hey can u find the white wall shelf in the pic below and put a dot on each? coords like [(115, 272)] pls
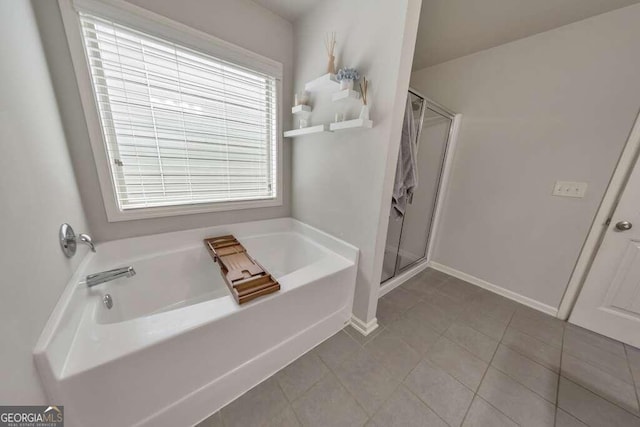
[(351, 124), (306, 131), (326, 82), (345, 94), (298, 109)]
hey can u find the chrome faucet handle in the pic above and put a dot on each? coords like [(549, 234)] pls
[(68, 240), (86, 239)]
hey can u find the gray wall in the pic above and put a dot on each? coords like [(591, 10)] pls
[(38, 192), (341, 180), (555, 106), (241, 22)]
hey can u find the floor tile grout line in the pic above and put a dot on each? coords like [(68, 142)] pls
[(289, 402), (506, 374), (426, 357), (599, 368), (555, 415), (559, 374), (295, 414), (419, 398), (401, 383), (637, 416), (582, 335), (471, 325), (422, 358), (526, 356), (596, 347), (592, 365), (314, 352), (465, 350), (606, 399), (458, 321), (347, 389), (539, 338), (633, 378), (475, 393), (596, 393), (489, 364), (329, 370), (532, 361)]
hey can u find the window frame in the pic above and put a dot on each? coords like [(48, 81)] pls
[(159, 26)]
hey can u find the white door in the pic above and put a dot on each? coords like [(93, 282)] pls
[(609, 302)]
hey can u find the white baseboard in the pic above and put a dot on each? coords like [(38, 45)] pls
[(537, 305), (362, 327), (394, 282)]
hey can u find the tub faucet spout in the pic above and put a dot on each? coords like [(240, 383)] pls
[(87, 240), (109, 275)]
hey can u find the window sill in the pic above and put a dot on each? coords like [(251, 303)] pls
[(116, 215)]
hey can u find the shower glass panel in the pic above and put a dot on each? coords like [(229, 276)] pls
[(416, 226), (408, 236), (394, 230)]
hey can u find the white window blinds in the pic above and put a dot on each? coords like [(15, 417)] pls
[(180, 127)]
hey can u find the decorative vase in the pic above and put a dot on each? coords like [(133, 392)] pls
[(331, 66), (346, 84), (364, 112)]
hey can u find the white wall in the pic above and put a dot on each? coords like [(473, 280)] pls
[(555, 106), (38, 192), (341, 180), (241, 22)]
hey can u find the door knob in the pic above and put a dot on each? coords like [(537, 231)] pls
[(623, 226)]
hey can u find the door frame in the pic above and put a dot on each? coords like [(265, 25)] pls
[(441, 195), (626, 162)]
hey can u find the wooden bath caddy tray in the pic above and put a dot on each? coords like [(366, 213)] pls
[(245, 278)]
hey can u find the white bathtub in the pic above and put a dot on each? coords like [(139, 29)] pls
[(176, 347)]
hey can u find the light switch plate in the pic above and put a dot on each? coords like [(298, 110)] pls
[(570, 189)]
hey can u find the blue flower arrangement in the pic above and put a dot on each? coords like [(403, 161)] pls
[(347, 74)]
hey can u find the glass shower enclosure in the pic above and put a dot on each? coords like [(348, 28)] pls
[(408, 235)]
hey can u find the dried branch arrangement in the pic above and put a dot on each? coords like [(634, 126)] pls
[(330, 43), (330, 46), (364, 85)]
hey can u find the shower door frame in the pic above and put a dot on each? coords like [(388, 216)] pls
[(389, 284)]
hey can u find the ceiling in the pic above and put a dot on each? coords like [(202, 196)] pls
[(450, 29), (288, 9)]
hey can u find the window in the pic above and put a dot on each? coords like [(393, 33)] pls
[(180, 128)]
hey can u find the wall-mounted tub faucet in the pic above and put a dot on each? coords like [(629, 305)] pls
[(69, 240), (109, 275), (86, 239)]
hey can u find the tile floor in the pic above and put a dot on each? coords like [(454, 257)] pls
[(450, 353)]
